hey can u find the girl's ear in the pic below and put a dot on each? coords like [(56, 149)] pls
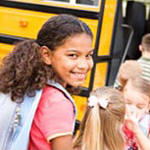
[(46, 54)]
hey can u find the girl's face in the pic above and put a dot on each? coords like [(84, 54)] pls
[(72, 60), (136, 101)]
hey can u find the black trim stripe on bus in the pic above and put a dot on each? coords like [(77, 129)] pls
[(84, 92), (113, 41), (95, 55), (49, 9), (10, 39)]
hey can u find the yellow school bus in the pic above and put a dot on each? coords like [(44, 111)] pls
[(117, 25)]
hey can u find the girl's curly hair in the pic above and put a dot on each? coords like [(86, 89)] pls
[(23, 71)]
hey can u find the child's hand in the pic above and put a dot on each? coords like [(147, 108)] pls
[(131, 119)]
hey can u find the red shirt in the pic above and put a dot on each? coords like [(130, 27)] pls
[(130, 139), (54, 117)]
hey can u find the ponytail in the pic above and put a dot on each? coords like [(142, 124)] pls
[(91, 136), (90, 130), (100, 128)]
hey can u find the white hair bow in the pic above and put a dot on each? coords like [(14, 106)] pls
[(93, 101)]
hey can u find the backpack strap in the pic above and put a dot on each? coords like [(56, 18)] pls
[(28, 109), (7, 114)]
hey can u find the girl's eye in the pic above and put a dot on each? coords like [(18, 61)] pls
[(72, 55), (140, 107), (89, 55), (128, 103)]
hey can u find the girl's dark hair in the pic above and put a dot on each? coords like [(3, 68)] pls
[(23, 71), (57, 29)]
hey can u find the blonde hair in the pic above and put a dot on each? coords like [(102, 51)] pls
[(140, 84), (127, 70), (101, 128)]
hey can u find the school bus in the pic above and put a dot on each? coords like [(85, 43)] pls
[(117, 25)]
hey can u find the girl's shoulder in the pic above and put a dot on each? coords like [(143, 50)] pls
[(51, 100), (52, 94), (55, 93)]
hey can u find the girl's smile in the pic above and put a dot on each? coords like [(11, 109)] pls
[(79, 76)]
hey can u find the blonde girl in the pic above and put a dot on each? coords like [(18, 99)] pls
[(101, 127), (137, 121)]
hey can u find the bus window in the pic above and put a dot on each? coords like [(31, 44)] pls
[(84, 2)]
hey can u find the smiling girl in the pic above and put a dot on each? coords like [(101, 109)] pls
[(37, 76)]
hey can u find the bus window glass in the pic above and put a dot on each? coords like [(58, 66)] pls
[(83, 2), (88, 2)]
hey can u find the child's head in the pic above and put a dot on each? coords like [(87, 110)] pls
[(127, 70), (62, 52), (69, 41), (103, 119), (145, 44), (137, 95)]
